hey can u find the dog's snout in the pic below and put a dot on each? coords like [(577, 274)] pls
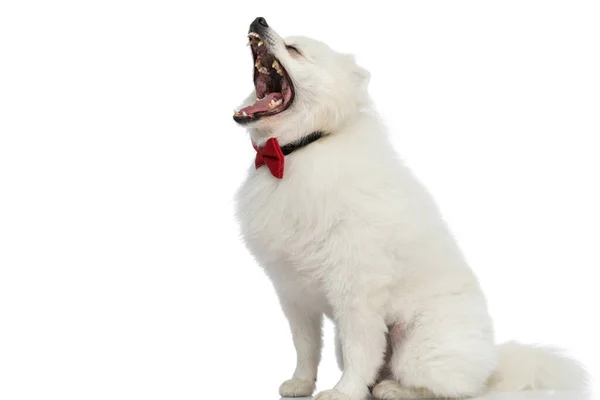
[(258, 24)]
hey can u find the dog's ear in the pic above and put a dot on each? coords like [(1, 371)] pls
[(361, 76)]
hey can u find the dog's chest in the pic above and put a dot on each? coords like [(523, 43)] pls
[(286, 225)]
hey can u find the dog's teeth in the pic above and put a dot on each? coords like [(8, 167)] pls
[(257, 63), (274, 103), (263, 70), (260, 43), (277, 67), (244, 113), (236, 112), (254, 34)]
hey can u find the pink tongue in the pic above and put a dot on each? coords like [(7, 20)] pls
[(261, 105)]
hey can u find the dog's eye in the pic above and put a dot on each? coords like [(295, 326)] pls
[(292, 48)]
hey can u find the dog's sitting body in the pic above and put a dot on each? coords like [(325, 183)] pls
[(349, 233)]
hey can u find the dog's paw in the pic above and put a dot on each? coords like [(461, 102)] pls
[(386, 390), (297, 388), (392, 390), (331, 395)]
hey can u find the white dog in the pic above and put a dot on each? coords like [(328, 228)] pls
[(343, 229)]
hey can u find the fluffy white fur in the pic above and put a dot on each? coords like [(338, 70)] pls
[(350, 233)]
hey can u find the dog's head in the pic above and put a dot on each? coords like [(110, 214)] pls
[(301, 86)]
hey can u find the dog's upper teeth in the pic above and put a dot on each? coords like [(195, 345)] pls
[(263, 70), (257, 63), (236, 112), (277, 67), (254, 34), (260, 43)]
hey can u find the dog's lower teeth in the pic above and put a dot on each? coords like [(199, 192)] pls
[(274, 103), (244, 113), (263, 70)]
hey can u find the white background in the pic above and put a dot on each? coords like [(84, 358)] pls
[(122, 275)]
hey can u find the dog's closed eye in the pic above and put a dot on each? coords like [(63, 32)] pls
[(293, 49)]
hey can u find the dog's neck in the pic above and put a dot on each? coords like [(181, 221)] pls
[(302, 142), (259, 138)]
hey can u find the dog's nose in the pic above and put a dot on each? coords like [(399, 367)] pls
[(258, 25), (261, 21)]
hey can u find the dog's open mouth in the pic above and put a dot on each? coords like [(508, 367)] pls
[(274, 90)]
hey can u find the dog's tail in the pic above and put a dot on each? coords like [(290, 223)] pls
[(529, 367)]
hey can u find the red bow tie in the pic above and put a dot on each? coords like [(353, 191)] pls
[(271, 156)]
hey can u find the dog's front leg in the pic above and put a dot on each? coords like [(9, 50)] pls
[(362, 334), (363, 341), (305, 324)]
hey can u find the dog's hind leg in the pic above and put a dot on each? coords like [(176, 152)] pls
[(446, 352)]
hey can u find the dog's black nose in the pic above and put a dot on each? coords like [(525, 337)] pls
[(261, 21), (258, 25)]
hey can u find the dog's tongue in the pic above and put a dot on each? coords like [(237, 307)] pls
[(261, 105)]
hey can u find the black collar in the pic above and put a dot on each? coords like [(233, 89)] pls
[(302, 142)]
